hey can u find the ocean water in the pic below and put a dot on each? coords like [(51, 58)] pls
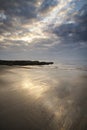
[(43, 97)]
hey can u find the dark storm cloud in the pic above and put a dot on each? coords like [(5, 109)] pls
[(46, 4), (17, 8), (82, 14), (14, 14), (75, 31)]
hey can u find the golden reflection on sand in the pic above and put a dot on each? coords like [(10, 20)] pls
[(38, 91), (35, 90), (42, 99)]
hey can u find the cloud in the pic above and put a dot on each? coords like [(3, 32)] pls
[(42, 25), (75, 30), (46, 4), (17, 9)]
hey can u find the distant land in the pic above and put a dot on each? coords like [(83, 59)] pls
[(23, 62)]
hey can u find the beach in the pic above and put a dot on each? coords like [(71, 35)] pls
[(43, 98)]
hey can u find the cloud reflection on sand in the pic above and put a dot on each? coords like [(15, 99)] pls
[(43, 99)]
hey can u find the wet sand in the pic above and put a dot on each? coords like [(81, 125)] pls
[(42, 98)]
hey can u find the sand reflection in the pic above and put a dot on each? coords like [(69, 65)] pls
[(43, 99)]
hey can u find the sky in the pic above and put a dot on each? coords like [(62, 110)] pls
[(52, 30)]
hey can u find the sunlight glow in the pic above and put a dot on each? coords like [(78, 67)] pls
[(34, 89)]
